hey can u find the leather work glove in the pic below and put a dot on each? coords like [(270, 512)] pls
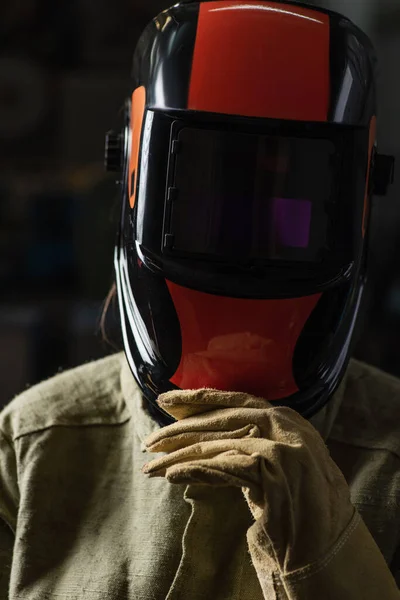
[(307, 540)]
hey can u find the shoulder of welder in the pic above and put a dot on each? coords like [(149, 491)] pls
[(86, 395), (370, 411)]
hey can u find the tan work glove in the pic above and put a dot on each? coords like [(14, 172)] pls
[(298, 497)]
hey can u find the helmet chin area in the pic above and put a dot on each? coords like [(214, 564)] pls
[(291, 352)]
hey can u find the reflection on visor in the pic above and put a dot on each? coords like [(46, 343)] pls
[(252, 196), (291, 222)]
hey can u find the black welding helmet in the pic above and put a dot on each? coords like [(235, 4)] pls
[(248, 162)]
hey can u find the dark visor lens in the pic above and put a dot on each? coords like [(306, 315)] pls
[(252, 196)]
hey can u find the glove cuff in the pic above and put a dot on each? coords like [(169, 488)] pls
[(353, 568)]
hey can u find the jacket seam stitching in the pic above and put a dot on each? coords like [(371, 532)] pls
[(314, 569), (68, 425)]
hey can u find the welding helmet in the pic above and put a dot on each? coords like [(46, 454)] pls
[(248, 160)]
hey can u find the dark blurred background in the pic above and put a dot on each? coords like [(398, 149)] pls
[(64, 75)]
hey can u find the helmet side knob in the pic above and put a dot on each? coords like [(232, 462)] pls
[(113, 151)]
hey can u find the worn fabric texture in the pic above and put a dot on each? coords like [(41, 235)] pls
[(80, 520)]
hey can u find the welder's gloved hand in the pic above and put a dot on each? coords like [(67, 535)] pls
[(306, 530)]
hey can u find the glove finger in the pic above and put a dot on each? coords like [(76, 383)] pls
[(225, 470), (185, 403), (202, 474), (276, 423), (160, 442), (240, 467), (253, 448), (191, 453), (227, 419), (187, 454)]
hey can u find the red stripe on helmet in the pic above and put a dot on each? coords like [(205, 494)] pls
[(261, 59), (256, 59)]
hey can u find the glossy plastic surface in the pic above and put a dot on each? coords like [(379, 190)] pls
[(315, 63), (258, 59), (258, 75), (368, 186), (137, 114), (241, 345), (162, 62), (352, 64)]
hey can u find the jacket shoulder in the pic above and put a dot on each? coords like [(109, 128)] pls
[(369, 415), (86, 395)]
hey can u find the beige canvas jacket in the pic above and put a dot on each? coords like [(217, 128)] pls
[(79, 520)]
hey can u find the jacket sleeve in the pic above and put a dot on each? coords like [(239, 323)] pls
[(353, 569), (9, 500)]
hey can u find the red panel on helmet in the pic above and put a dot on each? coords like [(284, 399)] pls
[(239, 345), (261, 59), (257, 59)]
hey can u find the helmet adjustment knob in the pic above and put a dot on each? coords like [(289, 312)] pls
[(113, 151)]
